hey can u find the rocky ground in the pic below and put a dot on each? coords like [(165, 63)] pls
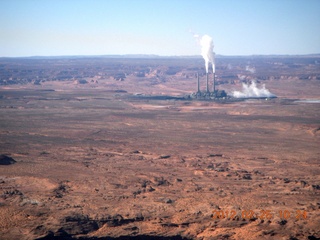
[(83, 162)]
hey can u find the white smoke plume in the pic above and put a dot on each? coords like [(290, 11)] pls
[(250, 69), (252, 91), (207, 53)]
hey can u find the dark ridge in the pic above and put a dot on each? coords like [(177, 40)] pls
[(5, 160), (45, 90)]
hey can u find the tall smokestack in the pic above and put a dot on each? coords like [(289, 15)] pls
[(214, 82), (198, 82), (207, 82)]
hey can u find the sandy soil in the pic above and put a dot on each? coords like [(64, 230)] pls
[(94, 163)]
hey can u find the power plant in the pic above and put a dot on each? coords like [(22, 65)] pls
[(249, 91), (214, 94), (208, 55)]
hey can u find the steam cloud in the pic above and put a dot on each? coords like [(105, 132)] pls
[(252, 91), (250, 69), (207, 53)]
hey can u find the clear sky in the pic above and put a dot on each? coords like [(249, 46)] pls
[(162, 27)]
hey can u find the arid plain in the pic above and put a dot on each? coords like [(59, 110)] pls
[(96, 159)]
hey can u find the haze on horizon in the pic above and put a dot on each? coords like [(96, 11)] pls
[(160, 27)]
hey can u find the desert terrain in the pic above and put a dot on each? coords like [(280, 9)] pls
[(84, 155)]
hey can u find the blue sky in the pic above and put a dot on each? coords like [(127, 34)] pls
[(162, 27)]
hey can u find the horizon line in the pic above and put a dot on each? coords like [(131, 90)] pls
[(159, 56)]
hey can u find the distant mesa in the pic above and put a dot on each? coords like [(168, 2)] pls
[(5, 160)]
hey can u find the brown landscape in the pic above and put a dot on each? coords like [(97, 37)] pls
[(111, 148)]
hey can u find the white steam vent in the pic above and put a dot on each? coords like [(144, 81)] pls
[(252, 91)]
